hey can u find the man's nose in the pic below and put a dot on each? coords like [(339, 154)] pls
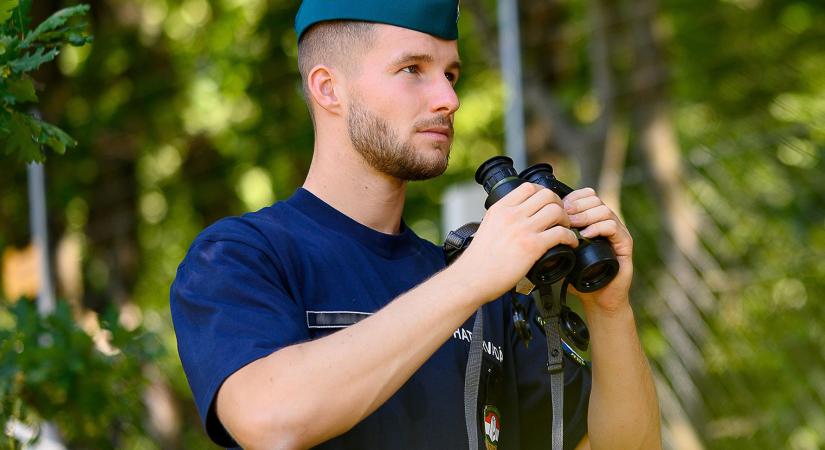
[(444, 99)]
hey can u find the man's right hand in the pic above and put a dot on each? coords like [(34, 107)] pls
[(515, 232)]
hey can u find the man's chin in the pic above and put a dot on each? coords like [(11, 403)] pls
[(432, 170)]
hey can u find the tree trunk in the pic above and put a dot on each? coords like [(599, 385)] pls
[(678, 283)]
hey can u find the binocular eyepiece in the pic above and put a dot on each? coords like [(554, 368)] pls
[(590, 266)]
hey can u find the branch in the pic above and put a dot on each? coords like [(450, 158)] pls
[(567, 136), (599, 52)]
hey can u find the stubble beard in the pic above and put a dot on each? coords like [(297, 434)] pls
[(382, 148)]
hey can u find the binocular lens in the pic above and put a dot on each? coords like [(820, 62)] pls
[(597, 274), (596, 265), (553, 266), (595, 271)]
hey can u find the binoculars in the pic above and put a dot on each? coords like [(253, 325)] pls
[(589, 267)]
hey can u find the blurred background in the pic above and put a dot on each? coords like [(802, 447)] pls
[(701, 121)]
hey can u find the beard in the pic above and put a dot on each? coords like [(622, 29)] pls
[(382, 148)]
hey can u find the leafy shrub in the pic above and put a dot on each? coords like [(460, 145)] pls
[(23, 51), (52, 370)]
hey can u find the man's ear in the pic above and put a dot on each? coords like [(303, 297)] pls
[(323, 89)]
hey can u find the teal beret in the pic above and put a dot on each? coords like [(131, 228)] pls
[(436, 17)]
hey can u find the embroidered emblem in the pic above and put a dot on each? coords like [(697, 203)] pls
[(492, 427)]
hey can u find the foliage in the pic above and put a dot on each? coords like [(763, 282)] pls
[(51, 369), (186, 111), (748, 90), (21, 133)]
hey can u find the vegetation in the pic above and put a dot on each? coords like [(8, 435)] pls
[(51, 369), (700, 120), (23, 51)]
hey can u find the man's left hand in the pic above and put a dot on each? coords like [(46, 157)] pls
[(593, 218)]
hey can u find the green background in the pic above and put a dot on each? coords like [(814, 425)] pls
[(703, 121)]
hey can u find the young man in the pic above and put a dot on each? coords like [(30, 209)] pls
[(325, 321)]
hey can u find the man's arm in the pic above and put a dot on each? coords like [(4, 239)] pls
[(307, 393), (623, 410)]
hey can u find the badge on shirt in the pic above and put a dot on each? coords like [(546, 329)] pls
[(492, 427)]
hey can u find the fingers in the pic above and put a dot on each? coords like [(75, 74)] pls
[(541, 198), (559, 235), (540, 206), (549, 215), (615, 232), (579, 194), (518, 195), (594, 218), (586, 208), (605, 228), (590, 216), (582, 204)]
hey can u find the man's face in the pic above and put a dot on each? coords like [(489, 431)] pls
[(402, 102)]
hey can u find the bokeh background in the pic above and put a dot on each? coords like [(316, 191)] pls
[(702, 121)]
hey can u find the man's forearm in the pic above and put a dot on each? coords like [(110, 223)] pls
[(624, 410), (307, 393)]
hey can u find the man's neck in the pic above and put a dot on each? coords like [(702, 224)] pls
[(344, 181)]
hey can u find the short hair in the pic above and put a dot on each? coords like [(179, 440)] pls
[(336, 43)]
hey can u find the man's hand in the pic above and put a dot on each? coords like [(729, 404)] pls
[(621, 376), (588, 213), (377, 355), (516, 231)]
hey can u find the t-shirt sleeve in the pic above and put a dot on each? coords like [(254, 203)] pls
[(535, 407), (230, 307)]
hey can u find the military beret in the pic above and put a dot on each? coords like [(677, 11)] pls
[(436, 17)]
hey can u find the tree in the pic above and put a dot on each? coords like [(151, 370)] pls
[(23, 51)]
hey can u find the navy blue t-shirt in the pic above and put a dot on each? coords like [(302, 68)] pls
[(300, 270)]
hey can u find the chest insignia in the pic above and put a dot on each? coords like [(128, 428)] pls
[(492, 427)]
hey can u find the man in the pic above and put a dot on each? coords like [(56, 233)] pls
[(324, 321)]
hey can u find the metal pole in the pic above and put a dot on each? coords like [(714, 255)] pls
[(40, 237), (510, 56), (49, 436)]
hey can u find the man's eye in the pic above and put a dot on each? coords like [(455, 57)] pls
[(410, 69), (451, 77)]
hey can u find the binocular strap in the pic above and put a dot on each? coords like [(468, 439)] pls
[(550, 311), (556, 369), (554, 366), (472, 378)]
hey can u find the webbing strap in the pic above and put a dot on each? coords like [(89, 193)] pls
[(458, 240), (472, 378), (556, 369), (454, 244), (550, 311)]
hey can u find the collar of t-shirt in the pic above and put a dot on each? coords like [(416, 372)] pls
[(392, 246)]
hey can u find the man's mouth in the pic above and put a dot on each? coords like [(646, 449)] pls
[(445, 132)]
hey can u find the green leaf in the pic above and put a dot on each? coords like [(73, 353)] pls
[(6, 8), (54, 22), (19, 91), (19, 141), (19, 21), (6, 42), (62, 33), (54, 137), (79, 40), (26, 134), (32, 61)]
